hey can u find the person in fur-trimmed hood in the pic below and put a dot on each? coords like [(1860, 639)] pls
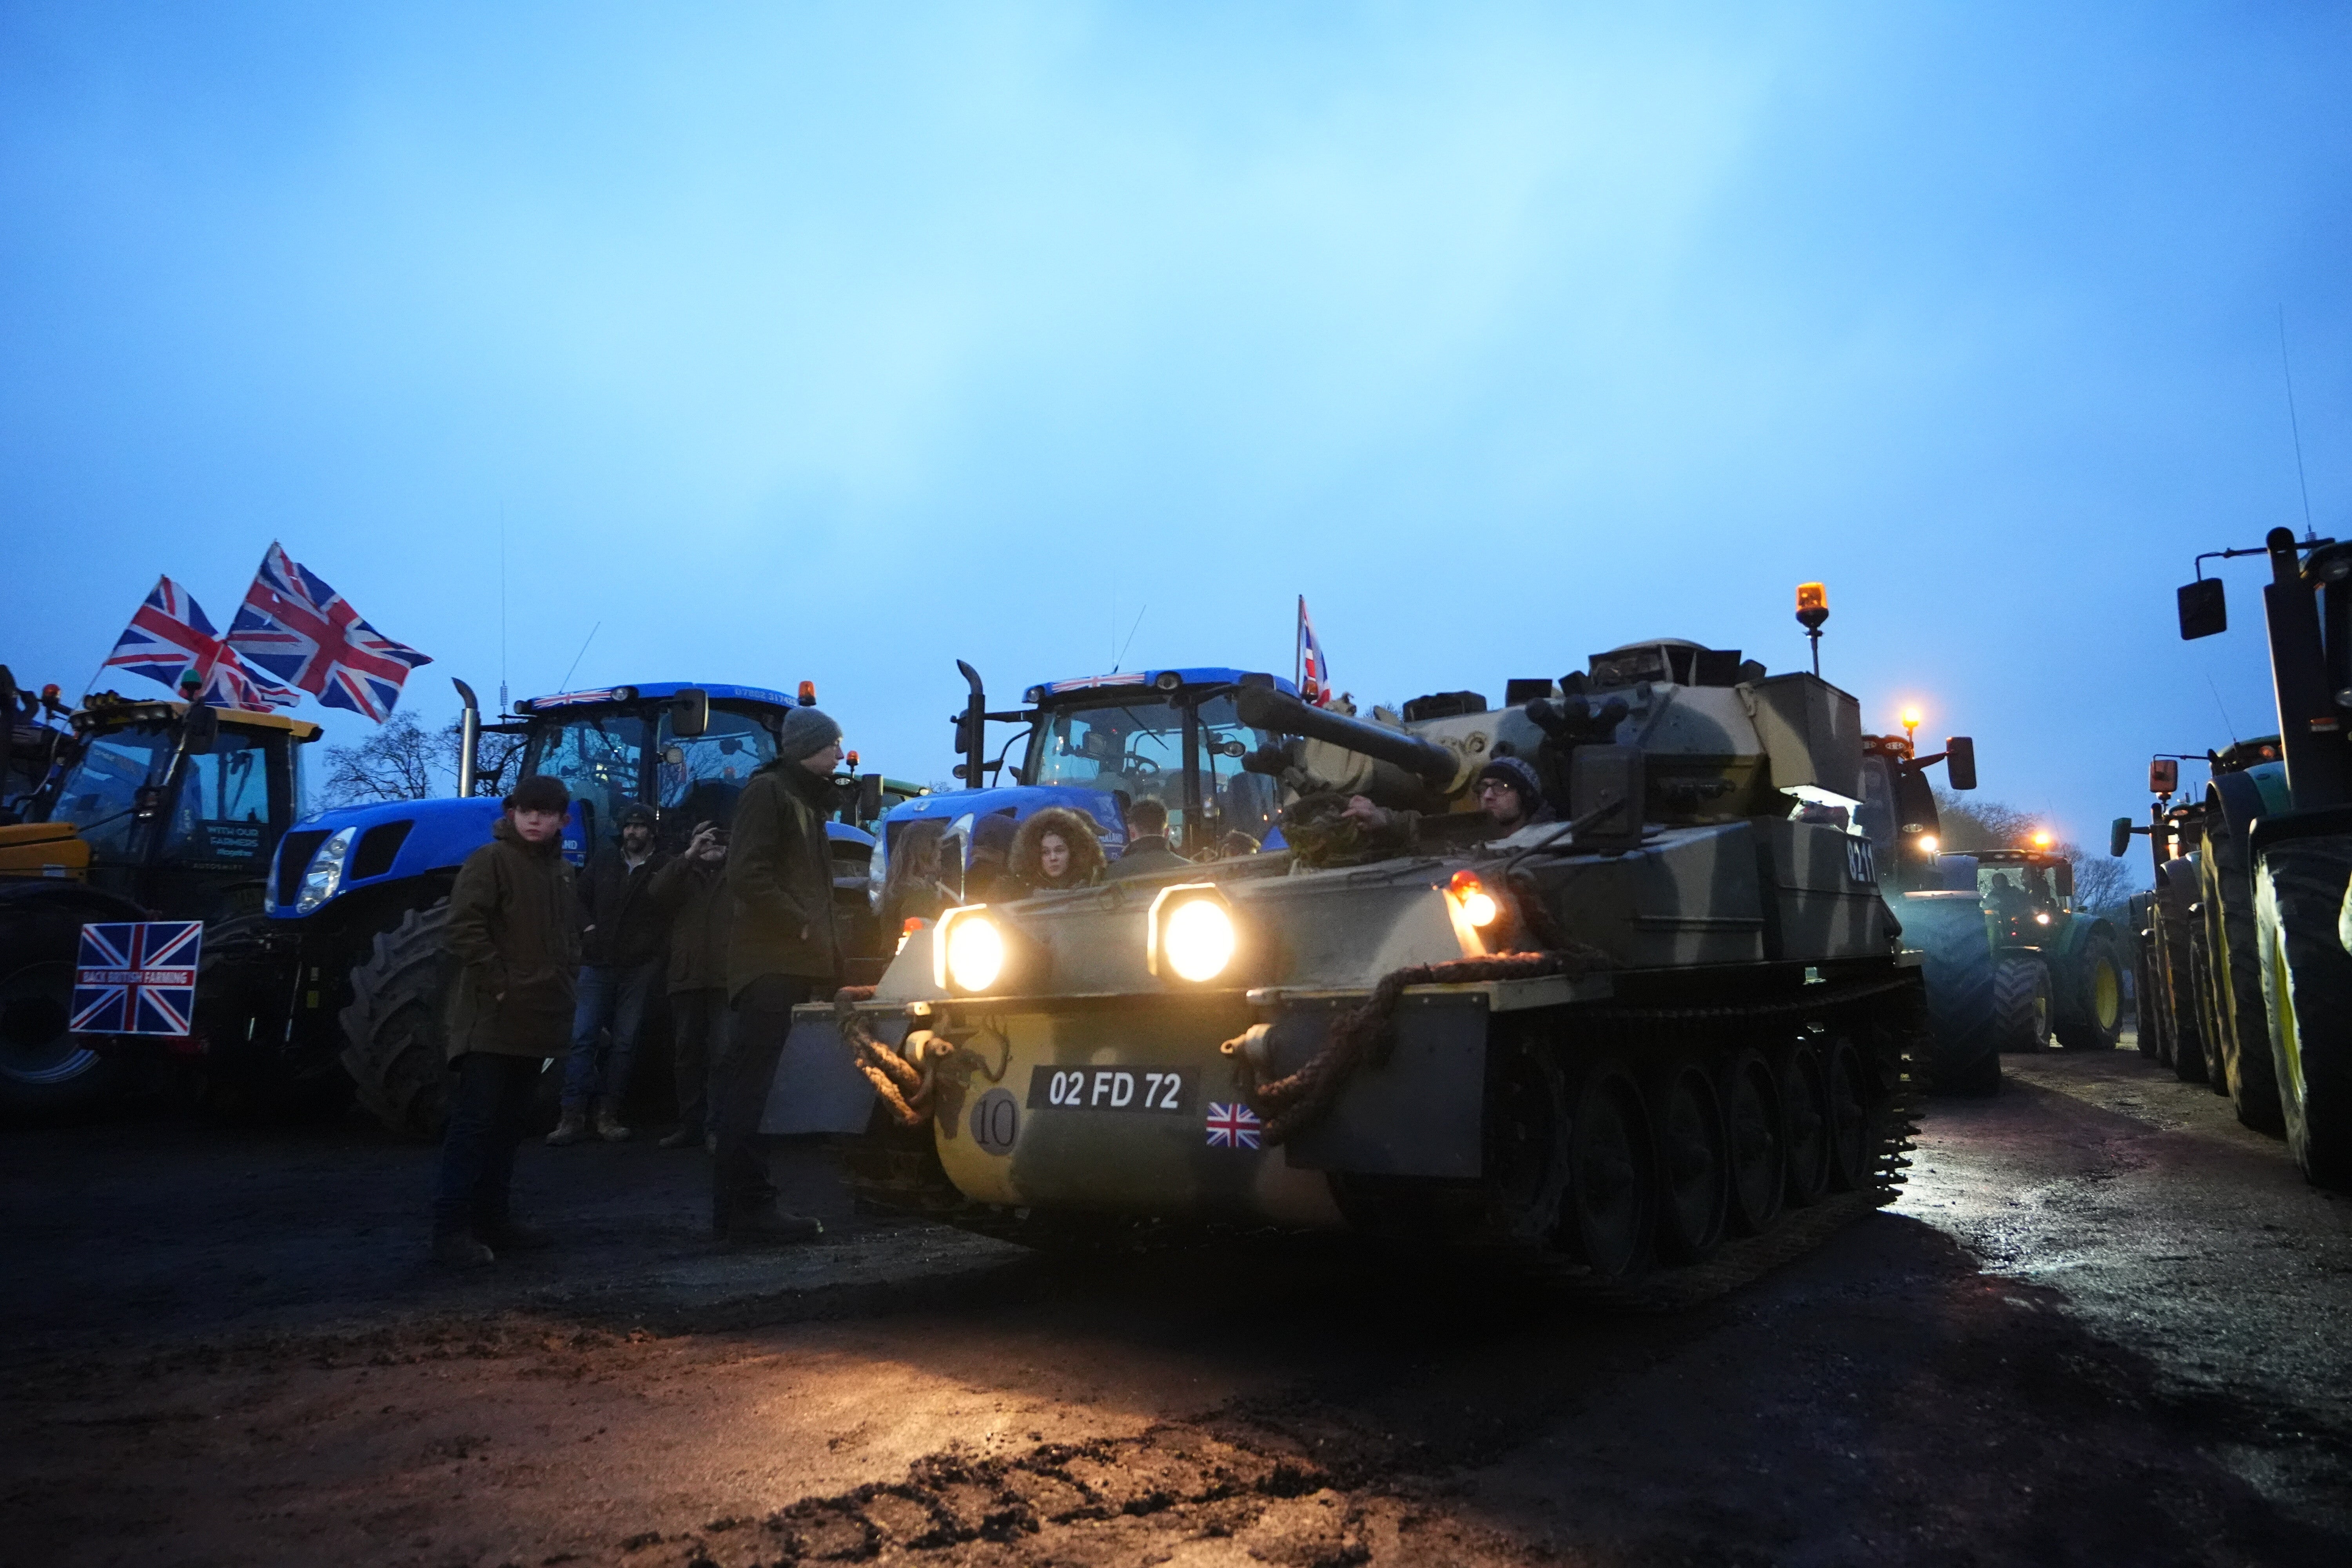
[(1057, 848)]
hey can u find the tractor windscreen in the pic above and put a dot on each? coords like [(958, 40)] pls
[(701, 775), (599, 753), (1138, 748), (223, 811), (103, 786), (2015, 889)]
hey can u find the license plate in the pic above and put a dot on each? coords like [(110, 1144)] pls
[(1160, 1090)]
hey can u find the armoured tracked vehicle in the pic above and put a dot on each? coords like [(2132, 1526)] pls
[(1598, 1041)]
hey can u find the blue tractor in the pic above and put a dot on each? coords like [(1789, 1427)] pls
[(357, 897), (1096, 744)]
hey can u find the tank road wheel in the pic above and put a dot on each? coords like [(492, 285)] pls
[(2234, 951), (1527, 1146), (1756, 1131), (1805, 1108), (2299, 896), (2021, 999), (1610, 1217), (394, 1045), (1694, 1164), (44, 1070), (1855, 1116), (2091, 1012)]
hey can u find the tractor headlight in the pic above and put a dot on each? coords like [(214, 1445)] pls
[(325, 876), (1189, 934), (969, 950), (2041, 920)]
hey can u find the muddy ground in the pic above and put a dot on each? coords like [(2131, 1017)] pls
[(2105, 1325)]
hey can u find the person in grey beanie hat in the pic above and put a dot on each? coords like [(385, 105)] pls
[(781, 952), (1512, 792), (806, 732)]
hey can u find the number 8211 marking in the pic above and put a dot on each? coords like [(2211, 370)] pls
[(1109, 1089)]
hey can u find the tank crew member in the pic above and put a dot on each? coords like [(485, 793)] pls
[(1055, 848), (621, 948), (1513, 796), (689, 891), (513, 932), (1147, 844), (781, 952), (989, 879)]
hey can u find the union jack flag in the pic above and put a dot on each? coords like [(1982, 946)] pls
[(170, 635), (137, 977), (1231, 1126), (1314, 675), (303, 632)]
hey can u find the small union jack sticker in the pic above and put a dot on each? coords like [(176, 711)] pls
[(1231, 1126), (137, 977)]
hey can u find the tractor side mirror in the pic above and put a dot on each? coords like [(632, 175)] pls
[(869, 797), (1960, 760), (690, 713), (2061, 878), (2119, 836), (2163, 775), (201, 727), (2204, 609)]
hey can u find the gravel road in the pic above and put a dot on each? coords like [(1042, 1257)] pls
[(2105, 1325)]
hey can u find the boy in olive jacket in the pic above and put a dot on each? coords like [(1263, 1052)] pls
[(514, 937), (780, 953)]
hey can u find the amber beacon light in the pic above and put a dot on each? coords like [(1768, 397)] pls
[(1813, 609)]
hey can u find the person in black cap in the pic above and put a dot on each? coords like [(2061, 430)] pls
[(1513, 796), (624, 931), (781, 952)]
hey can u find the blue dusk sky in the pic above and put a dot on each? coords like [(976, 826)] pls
[(837, 343)]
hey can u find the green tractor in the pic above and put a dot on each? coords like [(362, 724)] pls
[(2060, 968)]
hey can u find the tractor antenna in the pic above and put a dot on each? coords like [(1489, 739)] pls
[(565, 684), (2296, 426), (2225, 712), (1120, 657), (502, 608)]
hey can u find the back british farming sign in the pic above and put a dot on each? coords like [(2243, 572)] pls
[(137, 977)]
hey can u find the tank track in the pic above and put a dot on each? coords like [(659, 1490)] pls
[(895, 1170)]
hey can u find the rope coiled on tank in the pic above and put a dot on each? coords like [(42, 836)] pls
[(1291, 1104), (905, 1090)]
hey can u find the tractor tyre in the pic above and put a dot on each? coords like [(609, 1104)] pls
[(2021, 1002), (1949, 930), (2211, 1007), (395, 1043), (2147, 1015), (2234, 951), (45, 1073), (2299, 897), (2090, 1002)]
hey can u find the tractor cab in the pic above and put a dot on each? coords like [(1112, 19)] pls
[(180, 814), (2025, 892), (1897, 812)]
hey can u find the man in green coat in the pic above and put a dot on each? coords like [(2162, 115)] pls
[(514, 935), (781, 952)]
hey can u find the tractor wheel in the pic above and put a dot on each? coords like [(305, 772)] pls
[(2091, 1007), (2299, 895), (2212, 1015), (395, 1044), (2021, 1002), (1949, 930), (2233, 950), (45, 1071)]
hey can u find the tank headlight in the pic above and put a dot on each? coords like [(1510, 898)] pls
[(1199, 939), (325, 876), (972, 951), (1478, 905)]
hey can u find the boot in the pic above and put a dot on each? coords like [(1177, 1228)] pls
[(684, 1138), (765, 1225), (571, 1127), (459, 1249), (608, 1125), (507, 1235)]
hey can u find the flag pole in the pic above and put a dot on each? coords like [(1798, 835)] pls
[(1298, 645)]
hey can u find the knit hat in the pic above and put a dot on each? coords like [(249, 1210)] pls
[(1519, 774), (806, 732), (636, 812), (540, 792)]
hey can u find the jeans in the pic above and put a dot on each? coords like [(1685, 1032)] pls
[(492, 1097), (699, 1032), (614, 996), (763, 1016)]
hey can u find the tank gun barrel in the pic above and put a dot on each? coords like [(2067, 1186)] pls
[(1264, 708)]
